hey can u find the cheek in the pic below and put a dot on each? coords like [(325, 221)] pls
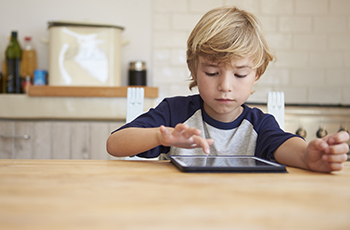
[(201, 82), (205, 86)]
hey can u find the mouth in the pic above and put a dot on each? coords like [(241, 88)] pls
[(224, 100)]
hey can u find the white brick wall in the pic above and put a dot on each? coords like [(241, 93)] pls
[(170, 6), (340, 7), (330, 24), (312, 7), (311, 39), (203, 6), (347, 61), (310, 42), (277, 7), (295, 24)]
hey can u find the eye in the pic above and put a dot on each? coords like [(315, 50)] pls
[(240, 76), (211, 74)]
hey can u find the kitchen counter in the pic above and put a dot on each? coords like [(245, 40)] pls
[(111, 194), (84, 103)]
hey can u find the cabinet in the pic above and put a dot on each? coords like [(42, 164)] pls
[(63, 122), (36, 139)]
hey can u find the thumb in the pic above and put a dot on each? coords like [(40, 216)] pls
[(163, 131)]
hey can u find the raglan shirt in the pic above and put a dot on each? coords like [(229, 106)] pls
[(253, 133)]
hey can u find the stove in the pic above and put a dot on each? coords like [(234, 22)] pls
[(314, 121)]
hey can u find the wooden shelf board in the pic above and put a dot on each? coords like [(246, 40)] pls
[(87, 91)]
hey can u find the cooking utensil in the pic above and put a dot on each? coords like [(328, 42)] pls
[(275, 106)]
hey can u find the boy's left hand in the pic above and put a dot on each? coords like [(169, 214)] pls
[(328, 153)]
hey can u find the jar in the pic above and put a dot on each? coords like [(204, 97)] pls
[(40, 77), (137, 73)]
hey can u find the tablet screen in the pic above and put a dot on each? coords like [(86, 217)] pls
[(225, 163)]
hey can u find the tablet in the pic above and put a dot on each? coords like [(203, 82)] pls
[(242, 164)]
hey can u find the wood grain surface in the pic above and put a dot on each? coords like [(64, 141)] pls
[(87, 91), (111, 194)]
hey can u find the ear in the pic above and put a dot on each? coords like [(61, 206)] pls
[(257, 77)]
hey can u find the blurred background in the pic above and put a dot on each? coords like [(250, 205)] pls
[(311, 39), (31, 17)]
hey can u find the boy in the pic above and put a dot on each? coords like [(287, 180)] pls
[(226, 54)]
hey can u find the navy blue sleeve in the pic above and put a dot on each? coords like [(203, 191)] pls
[(270, 137), (169, 113), (155, 117)]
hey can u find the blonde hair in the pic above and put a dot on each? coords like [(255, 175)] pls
[(224, 34)]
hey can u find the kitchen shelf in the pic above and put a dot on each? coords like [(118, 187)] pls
[(87, 91)]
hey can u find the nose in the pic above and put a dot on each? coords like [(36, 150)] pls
[(225, 84)]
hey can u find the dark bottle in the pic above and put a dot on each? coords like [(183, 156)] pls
[(1, 82), (13, 61)]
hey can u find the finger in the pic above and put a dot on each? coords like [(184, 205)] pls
[(337, 138), (179, 128), (191, 132), (336, 166), (210, 141), (338, 148), (201, 142), (164, 131), (332, 158), (319, 144)]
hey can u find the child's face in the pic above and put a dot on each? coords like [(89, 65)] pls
[(224, 87)]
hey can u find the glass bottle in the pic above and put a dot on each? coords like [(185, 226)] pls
[(29, 59), (13, 62)]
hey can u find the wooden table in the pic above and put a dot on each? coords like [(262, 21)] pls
[(97, 194)]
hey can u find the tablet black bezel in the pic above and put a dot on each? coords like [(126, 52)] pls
[(271, 168)]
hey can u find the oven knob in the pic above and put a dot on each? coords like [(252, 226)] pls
[(342, 128), (301, 132), (321, 132)]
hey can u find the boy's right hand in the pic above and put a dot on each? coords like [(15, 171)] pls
[(183, 136)]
